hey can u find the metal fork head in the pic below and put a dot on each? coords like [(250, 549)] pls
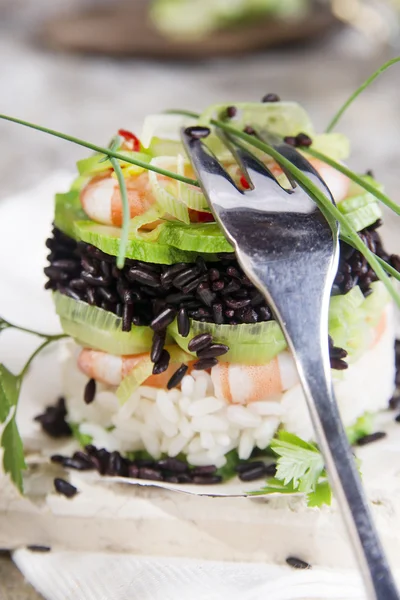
[(266, 219)]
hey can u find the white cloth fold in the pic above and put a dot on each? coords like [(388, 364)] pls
[(102, 576)]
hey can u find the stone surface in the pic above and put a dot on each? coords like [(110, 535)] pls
[(12, 584)]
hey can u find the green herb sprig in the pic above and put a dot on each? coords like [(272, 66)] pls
[(10, 387), (300, 469), (359, 90)]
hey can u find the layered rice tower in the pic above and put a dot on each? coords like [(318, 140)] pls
[(177, 353)]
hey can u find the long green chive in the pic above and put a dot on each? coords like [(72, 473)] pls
[(184, 113), (356, 178), (323, 202), (362, 87), (125, 212), (106, 151)]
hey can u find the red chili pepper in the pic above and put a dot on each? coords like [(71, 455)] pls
[(244, 183), (200, 217), (130, 137)]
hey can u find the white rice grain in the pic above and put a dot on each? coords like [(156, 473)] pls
[(207, 440), (166, 407), (176, 445), (243, 416), (209, 423), (246, 445), (205, 406), (187, 386)]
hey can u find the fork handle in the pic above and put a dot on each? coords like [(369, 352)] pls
[(313, 364)]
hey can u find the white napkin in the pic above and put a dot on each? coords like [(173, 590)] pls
[(90, 576)]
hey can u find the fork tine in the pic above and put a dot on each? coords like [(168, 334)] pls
[(208, 169), (298, 160), (257, 173)]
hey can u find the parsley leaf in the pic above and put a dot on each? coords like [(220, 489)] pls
[(299, 469), (9, 390), (299, 462), (10, 387), (13, 457), (321, 495)]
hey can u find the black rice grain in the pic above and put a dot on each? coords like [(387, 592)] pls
[(338, 364), (394, 402), (205, 470), (183, 323), (236, 304), (297, 563), (172, 464), (53, 420), (127, 315), (245, 466), (207, 479), (114, 466), (144, 277), (204, 364), (186, 276), (90, 391), (218, 314), (147, 473), (177, 377), (162, 364), (184, 478), (133, 471), (77, 464), (397, 419), (163, 319), (271, 98), (157, 346), (65, 488), (200, 342), (57, 459), (38, 548), (372, 437), (213, 351), (251, 474)]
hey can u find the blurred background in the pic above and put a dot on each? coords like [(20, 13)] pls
[(90, 67)]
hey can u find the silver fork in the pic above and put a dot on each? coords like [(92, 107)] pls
[(290, 251)]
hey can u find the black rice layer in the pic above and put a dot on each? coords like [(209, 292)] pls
[(153, 294)]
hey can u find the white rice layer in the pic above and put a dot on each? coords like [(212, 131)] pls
[(193, 421)]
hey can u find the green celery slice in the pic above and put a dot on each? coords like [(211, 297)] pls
[(100, 329), (107, 239)]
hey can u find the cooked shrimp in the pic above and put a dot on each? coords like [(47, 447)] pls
[(111, 370), (241, 384), (101, 198)]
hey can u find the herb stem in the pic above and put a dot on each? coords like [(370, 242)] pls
[(125, 213), (54, 337), (184, 113), (106, 151), (48, 341), (355, 94), (356, 178)]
